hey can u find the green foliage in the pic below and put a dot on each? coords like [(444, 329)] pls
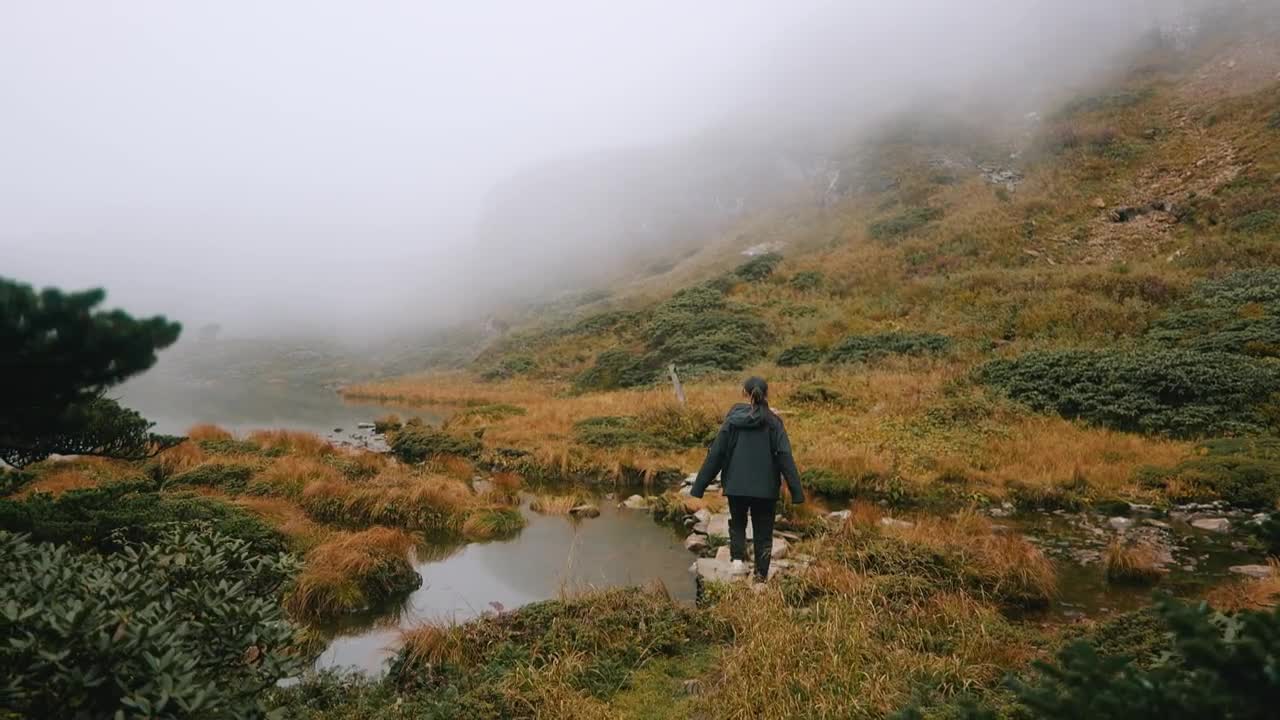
[(906, 223), (601, 322), (1219, 666), (1258, 221), (1242, 471), (188, 626), (510, 367), (866, 348), (807, 280), (231, 477), (1178, 393), (814, 394), (490, 412), (108, 517), (416, 443), (11, 481), (60, 356), (797, 355), (616, 368), (1238, 314), (697, 329), (758, 268)]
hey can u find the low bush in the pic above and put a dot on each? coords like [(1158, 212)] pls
[(668, 427), (1242, 471), (416, 443), (1239, 313), (510, 367), (798, 355), (866, 348), (186, 626), (480, 414), (1179, 393), (228, 477), (1258, 221), (616, 368), (1214, 665), (906, 223), (758, 268), (807, 280), (109, 517)]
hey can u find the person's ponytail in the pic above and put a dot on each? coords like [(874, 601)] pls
[(757, 391)]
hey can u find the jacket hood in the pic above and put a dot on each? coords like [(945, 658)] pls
[(740, 416)]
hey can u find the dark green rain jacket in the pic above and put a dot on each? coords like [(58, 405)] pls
[(752, 454)]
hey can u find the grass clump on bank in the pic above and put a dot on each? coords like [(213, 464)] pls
[(1131, 564), (415, 443), (352, 572), (1178, 393)]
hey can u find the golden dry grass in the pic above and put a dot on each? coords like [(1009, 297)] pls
[(180, 458), (291, 441), (331, 583), (1132, 563), (207, 431), (432, 645), (60, 480), (1248, 593), (289, 475), (395, 497), (554, 504), (288, 518)]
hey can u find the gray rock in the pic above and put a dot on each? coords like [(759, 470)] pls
[(695, 543), (1253, 571), (1219, 525), (686, 491), (636, 502), (586, 511), (700, 528), (890, 522), (839, 515), (365, 426), (719, 526), (780, 548), (703, 515), (689, 480), (788, 536), (1157, 523), (1120, 523)]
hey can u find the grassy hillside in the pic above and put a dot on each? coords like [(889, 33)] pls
[(1045, 305)]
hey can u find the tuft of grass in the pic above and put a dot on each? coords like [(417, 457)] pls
[(1132, 564), (555, 504), (387, 423), (289, 475), (492, 523), (206, 431), (291, 441), (180, 458), (229, 477), (353, 571)]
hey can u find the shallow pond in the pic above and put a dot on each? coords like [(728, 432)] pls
[(553, 555)]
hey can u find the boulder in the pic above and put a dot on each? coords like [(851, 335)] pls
[(1120, 523), (703, 515), (718, 525), (780, 548), (700, 528), (839, 515), (1253, 571), (695, 543), (586, 511), (1219, 525), (636, 502)]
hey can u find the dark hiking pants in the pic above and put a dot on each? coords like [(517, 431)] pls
[(761, 511)]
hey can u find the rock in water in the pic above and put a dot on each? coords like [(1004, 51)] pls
[(1253, 571), (1219, 525), (636, 502), (586, 511), (1120, 523), (695, 543)]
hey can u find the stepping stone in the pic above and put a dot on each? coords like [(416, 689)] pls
[(719, 526), (1254, 571), (1219, 525), (695, 543), (588, 511), (635, 502)]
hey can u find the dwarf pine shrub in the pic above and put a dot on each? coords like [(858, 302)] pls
[(187, 626), (1239, 313), (416, 443), (866, 348)]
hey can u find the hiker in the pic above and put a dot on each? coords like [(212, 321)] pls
[(750, 453)]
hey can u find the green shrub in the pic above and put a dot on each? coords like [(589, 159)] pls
[(699, 330), (231, 477), (416, 443), (616, 368), (908, 222), (1242, 471), (189, 626), (807, 280), (667, 428), (1258, 221), (1216, 666), (758, 268), (600, 322), (1171, 392), (107, 518), (510, 367), (800, 355), (1239, 314), (11, 481), (866, 348), (230, 447)]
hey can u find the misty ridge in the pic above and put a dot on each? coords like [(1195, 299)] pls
[(357, 175)]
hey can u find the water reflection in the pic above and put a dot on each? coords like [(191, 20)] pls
[(552, 556)]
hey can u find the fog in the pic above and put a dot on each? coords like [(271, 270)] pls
[(355, 169)]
